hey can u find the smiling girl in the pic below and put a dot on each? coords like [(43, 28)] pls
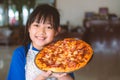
[(42, 26)]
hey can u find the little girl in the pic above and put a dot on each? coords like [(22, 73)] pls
[(42, 26)]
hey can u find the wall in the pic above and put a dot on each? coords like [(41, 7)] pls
[(73, 10)]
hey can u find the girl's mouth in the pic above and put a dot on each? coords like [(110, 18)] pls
[(40, 38)]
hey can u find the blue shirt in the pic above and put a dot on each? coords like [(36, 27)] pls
[(17, 66)]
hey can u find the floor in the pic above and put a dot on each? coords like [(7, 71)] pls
[(103, 66)]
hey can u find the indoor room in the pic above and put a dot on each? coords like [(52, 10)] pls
[(97, 22)]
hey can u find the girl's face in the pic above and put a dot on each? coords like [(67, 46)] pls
[(41, 33)]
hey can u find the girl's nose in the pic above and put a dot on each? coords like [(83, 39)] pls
[(41, 31)]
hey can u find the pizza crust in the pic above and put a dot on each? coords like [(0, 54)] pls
[(65, 55)]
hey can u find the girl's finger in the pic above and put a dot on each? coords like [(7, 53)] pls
[(59, 74), (49, 73)]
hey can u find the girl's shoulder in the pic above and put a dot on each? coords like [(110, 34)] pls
[(21, 50)]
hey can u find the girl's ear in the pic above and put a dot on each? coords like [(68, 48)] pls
[(29, 29), (58, 31)]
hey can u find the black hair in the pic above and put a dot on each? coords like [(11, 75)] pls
[(44, 12)]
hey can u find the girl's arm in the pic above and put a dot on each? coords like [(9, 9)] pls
[(17, 66)]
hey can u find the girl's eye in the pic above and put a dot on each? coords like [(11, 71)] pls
[(50, 27), (36, 25)]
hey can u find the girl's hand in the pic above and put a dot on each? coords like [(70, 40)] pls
[(58, 75), (62, 76), (44, 75)]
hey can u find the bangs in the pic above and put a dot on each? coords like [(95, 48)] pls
[(45, 18)]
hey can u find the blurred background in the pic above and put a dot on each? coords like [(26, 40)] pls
[(95, 21)]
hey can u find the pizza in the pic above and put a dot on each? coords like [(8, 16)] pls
[(65, 55)]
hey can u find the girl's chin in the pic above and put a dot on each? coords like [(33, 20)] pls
[(39, 47), (40, 44)]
